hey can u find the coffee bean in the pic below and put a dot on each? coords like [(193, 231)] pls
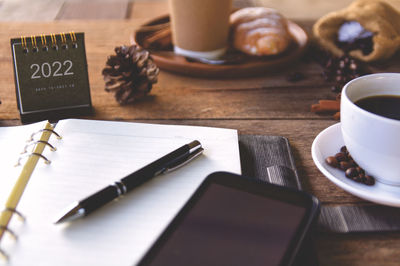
[(344, 165), (369, 180), (363, 178), (360, 170), (340, 156), (351, 172), (339, 70), (345, 162), (331, 160), (343, 149), (352, 163), (353, 66), (339, 78), (357, 179)]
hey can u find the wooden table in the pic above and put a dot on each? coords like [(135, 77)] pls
[(266, 105)]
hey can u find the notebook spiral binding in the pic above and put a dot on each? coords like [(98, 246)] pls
[(43, 130), (25, 153), (55, 40), (52, 148), (34, 143)]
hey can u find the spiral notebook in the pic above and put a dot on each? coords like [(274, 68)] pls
[(51, 76), (88, 156)]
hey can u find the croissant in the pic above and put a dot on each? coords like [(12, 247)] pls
[(376, 17), (259, 31)]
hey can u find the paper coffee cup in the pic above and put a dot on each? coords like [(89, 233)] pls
[(200, 28)]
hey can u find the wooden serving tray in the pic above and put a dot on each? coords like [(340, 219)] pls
[(248, 66)]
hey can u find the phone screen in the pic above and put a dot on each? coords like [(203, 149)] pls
[(227, 226)]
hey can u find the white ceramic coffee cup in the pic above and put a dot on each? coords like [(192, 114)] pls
[(372, 140)]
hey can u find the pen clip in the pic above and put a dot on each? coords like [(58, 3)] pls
[(194, 154)]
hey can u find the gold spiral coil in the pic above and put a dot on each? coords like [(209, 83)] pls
[(33, 41), (23, 42), (43, 39), (63, 37), (53, 39), (14, 211), (73, 36)]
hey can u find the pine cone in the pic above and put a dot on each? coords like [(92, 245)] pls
[(130, 73)]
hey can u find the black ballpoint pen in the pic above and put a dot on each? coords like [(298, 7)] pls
[(168, 163)]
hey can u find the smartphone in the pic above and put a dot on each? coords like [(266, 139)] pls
[(234, 220)]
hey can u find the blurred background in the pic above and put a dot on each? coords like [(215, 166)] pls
[(48, 10)]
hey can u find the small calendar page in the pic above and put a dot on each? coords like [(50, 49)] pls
[(51, 76)]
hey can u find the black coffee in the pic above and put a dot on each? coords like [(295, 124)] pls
[(384, 105)]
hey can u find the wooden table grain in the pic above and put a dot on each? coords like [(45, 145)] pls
[(268, 105)]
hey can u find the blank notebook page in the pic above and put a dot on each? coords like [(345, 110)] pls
[(94, 154)]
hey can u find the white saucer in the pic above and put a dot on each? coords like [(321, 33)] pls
[(328, 143)]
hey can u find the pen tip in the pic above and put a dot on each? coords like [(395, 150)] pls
[(72, 213)]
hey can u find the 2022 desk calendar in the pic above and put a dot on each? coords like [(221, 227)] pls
[(51, 77)]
